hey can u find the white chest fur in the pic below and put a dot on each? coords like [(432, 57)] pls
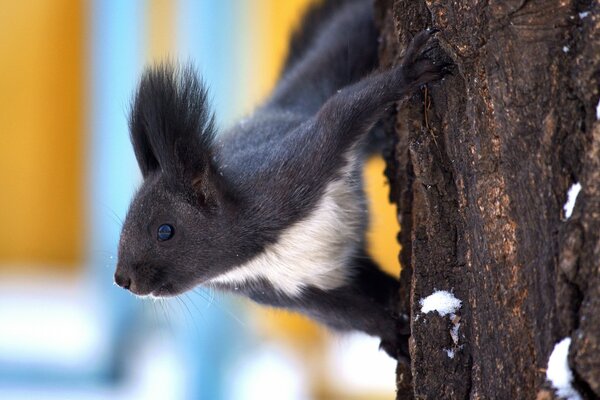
[(314, 251)]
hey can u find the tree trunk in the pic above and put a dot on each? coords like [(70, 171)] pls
[(480, 169)]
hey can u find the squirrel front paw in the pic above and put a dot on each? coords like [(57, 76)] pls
[(415, 69)]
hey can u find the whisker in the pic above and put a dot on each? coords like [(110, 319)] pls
[(223, 309), (114, 216), (196, 327), (166, 314), (196, 307)]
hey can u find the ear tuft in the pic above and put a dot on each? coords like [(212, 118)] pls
[(171, 126)]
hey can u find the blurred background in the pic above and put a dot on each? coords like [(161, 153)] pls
[(67, 174)]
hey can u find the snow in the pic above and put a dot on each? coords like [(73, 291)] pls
[(584, 14), (565, 49), (445, 304), (441, 301), (571, 197), (559, 373)]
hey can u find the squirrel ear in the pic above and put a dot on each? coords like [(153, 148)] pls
[(211, 190), (142, 148), (206, 188), (172, 128)]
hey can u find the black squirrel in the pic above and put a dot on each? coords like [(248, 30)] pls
[(273, 208)]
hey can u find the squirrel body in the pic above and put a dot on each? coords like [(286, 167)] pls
[(274, 208)]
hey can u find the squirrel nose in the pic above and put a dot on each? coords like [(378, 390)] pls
[(122, 280)]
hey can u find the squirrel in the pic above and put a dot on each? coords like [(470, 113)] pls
[(272, 209)]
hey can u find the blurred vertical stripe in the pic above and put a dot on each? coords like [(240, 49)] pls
[(264, 49), (161, 30), (208, 34), (116, 57), (42, 112)]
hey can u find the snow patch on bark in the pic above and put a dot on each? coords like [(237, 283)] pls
[(445, 304), (559, 373), (441, 301), (571, 197)]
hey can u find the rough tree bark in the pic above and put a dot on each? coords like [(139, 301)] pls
[(480, 169)]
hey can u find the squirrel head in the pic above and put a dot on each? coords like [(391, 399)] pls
[(177, 231)]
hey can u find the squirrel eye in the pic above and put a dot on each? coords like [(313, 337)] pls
[(165, 232)]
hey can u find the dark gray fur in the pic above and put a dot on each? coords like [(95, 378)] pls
[(229, 196)]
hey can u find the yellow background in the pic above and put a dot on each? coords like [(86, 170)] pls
[(42, 116)]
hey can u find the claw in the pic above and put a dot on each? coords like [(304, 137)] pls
[(416, 45), (419, 69)]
